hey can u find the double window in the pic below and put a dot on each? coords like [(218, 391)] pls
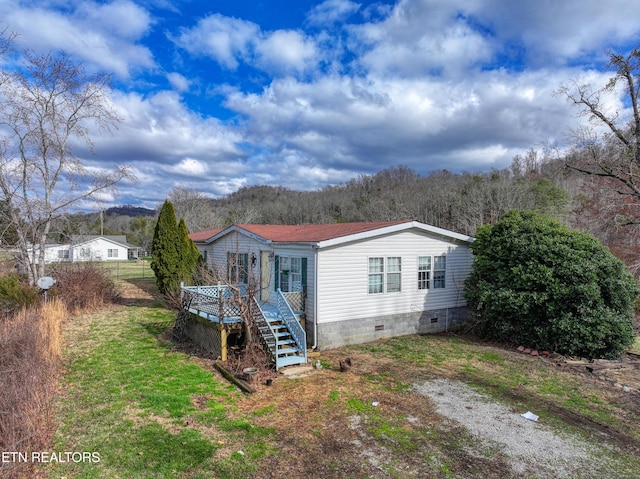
[(385, 274), (432, 272), (112, 253)]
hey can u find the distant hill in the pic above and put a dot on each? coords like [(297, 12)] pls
[(129, 210)]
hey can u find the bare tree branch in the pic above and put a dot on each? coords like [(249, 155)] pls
[(44, 109)]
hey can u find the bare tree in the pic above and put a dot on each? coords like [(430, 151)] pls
[(194, 207), (615, 154), (44, 108)]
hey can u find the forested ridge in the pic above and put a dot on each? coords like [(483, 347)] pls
[(459, 202)]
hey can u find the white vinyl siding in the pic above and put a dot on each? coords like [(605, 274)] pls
[(344, 280)]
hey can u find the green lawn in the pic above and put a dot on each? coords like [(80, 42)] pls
[(151, 411), (147, 410)]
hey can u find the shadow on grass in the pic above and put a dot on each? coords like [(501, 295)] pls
[(141, 292)]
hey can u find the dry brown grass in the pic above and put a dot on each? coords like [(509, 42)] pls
[(30, 351)]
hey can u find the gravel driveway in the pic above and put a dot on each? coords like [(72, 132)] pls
[(532, 448)]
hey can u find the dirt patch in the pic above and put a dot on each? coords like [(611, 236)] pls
[(377, 420), (532, 448), (138, 292), (336, 424)]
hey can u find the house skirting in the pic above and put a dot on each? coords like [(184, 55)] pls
[(364, 330), (209, 335)]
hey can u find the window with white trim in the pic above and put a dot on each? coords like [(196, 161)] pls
[(296, 274), (237, 267), (432, 272), (291, 274), (394, 274), (385, 275), (439, 271), (112, 253), (424, 272), (376, 275)]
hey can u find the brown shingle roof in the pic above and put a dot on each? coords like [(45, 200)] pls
[(313, 232), (204, 235)]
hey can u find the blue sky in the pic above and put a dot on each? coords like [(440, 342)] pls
[(218, 94)]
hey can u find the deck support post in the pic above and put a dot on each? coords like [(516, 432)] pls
[(223, 342)]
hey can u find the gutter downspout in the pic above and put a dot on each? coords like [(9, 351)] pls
[(315, 297)]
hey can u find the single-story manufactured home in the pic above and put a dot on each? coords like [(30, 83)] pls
[(357, 282), (85, 248)]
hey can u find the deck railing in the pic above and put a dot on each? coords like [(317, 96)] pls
[(291, 320), (220, 302)]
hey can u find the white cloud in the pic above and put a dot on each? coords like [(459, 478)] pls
[(285, 51), (178, 82), (556, 32), (422, 38), (104, 35), (190, 167), (224, 39), (332, 11), (353, 89)]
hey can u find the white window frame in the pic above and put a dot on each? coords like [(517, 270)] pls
[(291, 281), (376, 273), (432, 272), (112, 252), (440, 272), (384, 274), (394, 274), (424, 272)]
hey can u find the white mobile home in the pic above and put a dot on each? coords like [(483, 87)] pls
[(358, 281), (90, 248)]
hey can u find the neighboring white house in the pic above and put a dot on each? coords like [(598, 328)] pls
[(360, 281), (91, 248)]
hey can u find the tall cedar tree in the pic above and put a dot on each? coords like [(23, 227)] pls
[(166, 251), (190, 256), (538, 283)]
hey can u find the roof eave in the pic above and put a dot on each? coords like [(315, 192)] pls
[(393, 229)]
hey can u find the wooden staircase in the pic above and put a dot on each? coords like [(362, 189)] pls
[(281, 332)]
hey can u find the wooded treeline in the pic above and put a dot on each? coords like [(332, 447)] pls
[(456, 201)]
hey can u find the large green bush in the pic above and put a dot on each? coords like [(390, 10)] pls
[(541, 284)]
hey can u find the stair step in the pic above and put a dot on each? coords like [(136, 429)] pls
[(290, 360), (284, 351)]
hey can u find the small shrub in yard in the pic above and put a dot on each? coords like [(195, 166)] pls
[(85, 288), (30, 349), (15, 294)]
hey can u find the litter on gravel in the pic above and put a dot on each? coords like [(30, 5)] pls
[(529, 445)]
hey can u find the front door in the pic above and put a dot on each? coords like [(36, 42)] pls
[(265, 276)]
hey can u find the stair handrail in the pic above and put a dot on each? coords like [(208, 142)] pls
[(293, 325), (273, 334)]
